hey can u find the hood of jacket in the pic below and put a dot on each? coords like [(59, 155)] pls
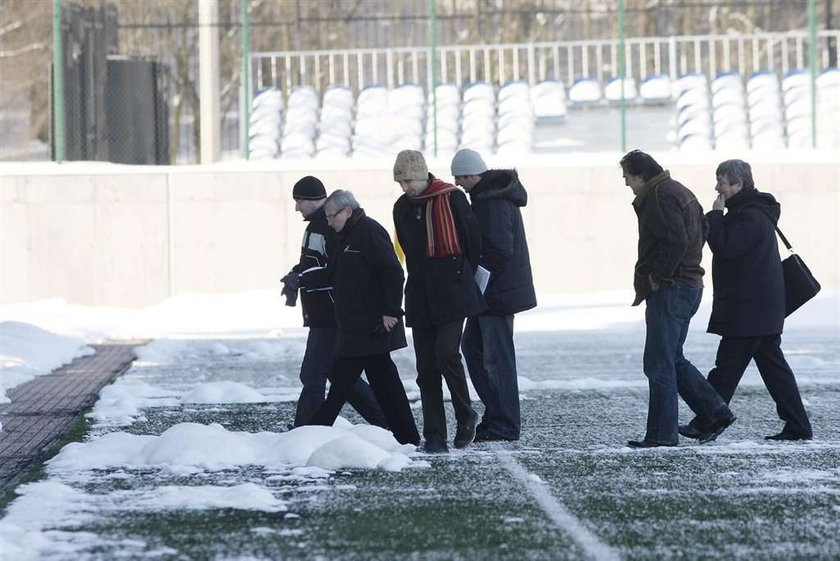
[(500, 184), (753, 198)]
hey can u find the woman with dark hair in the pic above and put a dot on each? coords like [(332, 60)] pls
[(748, 308)]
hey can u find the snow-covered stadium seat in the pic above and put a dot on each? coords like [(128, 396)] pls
[(585, 91), (655, 88), (443, 116), (549, 99), (515, 125), (265, 124), (478, 117), (690, 81), (612, 91)]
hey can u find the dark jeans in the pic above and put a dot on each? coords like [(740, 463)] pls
[(491, 361), (386, 385), (436, 352), (667, 316), (733, 357), (314, 372)]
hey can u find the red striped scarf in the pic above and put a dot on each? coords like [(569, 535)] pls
[(441, 233)]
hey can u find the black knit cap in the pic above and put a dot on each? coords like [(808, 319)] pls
[(309, 189)]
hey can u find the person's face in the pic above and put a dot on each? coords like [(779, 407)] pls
[(635, 182), (306, 208), (413, 187), (467, 181), (725, 188), (337, 217)]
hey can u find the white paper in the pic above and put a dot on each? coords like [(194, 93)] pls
[(482, 277)]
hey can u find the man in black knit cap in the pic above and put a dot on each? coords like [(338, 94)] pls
[(318, 310)]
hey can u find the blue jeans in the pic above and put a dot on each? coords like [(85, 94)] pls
[(488, 350), (316, 369), (667, 316)]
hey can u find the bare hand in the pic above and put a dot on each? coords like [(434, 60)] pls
[(389, 322), (720, 203)]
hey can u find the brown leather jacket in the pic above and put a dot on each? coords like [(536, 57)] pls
[(672, 230)]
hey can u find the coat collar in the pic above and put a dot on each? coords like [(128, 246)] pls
[(650, 185)]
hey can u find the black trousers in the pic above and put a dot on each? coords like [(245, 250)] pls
[(317, 368), (386, 385), (436, 350), (733, 357)]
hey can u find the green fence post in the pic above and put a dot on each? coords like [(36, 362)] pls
[(812, 63), (245, 113), (58, 85), (622, 71), (433, 41)]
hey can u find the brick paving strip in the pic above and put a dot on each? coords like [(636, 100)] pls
[(43, 409)]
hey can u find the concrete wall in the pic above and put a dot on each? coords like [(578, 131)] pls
[(133, 236)]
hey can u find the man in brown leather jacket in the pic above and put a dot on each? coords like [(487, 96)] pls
[(669, 278)]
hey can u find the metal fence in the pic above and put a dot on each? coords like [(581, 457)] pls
[(533, 62)]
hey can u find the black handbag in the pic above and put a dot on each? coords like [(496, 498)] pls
[(800, 284)]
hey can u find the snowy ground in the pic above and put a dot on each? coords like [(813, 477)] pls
[(187, 456)]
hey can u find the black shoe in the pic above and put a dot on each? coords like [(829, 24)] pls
[(645, 444), (689, 431), (488, 436), (465, 433), (435, 445), (715, 429), (787, 436)]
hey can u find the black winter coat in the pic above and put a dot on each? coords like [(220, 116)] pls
[(749, 290), (496, 202), (315, 290), (439, 289), (367, 284), (672, 229)]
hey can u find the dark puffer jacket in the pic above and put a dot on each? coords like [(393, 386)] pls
[(496, 202), (671, 233), (749, 290), (315, 291), (367, 284), (439, 289)]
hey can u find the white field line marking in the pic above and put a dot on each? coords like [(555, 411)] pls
[(559, 514)]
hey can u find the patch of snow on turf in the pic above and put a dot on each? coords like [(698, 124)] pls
[(190, 447)]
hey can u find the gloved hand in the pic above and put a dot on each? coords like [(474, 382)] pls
[(291, 281)]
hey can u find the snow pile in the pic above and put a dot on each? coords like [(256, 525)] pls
[(28, 531), (121, 402), (191, 447), (27, 351)]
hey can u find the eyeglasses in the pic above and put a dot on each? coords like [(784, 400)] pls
[(332, 216)]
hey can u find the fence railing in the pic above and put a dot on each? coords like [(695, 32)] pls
[(533, 62)]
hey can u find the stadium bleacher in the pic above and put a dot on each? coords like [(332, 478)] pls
[(729, 112)]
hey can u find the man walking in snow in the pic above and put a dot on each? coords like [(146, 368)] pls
[(316, 298), (368, 281), (497, 197), (669, 279), (442, 243)]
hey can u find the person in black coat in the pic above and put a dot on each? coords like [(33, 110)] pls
[(367, 282), (441, 241), (316, 299), (748, 308), (497, 198)]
